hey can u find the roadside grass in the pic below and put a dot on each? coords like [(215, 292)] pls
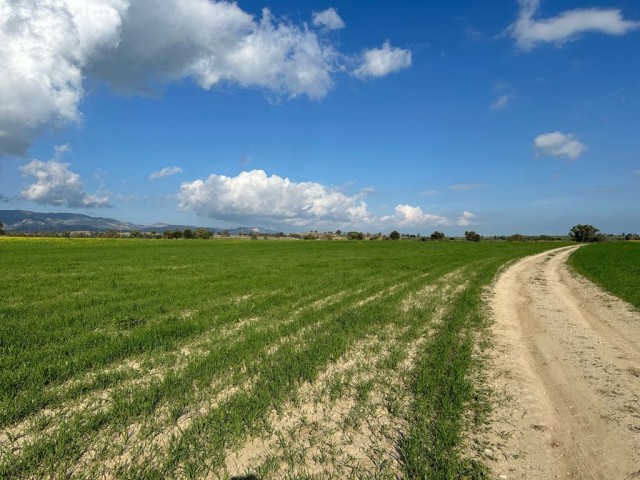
[(613, 266), (156, 359)]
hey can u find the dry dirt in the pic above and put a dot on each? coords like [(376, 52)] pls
[(567, 367)]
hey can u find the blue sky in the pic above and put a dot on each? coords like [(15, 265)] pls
[(500, 117)]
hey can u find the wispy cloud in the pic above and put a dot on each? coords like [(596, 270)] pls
[(466, 187), (561, 145), (530, 32), (428, 193), (165, 172), (500, 103)]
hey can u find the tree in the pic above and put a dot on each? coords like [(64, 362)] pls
[(1, 228), (355, 236), (395, 235), (584, 233), (472, 236), (203, 234), (437, 236), (188, 233)]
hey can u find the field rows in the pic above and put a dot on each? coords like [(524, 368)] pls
[(125, 359)]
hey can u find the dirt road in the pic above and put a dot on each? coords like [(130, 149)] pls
[(567, 364)]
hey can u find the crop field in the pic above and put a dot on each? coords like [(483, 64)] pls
[(613, 266), (211, 359)]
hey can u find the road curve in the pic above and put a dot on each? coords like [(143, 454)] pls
[(567, 359)]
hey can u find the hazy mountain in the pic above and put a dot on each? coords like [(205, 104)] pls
[(29, 222)]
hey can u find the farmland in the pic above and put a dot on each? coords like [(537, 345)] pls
[(155, 359), (613, 266)]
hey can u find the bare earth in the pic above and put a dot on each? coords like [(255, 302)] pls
[(567, 359)]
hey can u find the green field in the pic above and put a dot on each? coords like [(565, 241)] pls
[(161, 359), (613, 266)]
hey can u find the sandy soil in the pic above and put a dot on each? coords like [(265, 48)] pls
[(567, 367)]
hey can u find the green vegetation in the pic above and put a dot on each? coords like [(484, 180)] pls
[(614, 266), (586, 233), (155, 359)]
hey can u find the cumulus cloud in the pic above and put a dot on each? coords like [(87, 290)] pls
[(57, 185), (378, 62), (328, 19), (557, 144), (47, 48), (255, 197), (165, 172), (466, 219), (408, 216), (44, 47), (529, 32)]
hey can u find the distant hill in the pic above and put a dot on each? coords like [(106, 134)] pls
[(31, 222)]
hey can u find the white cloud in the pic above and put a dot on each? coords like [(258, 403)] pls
[(255, 197), (408, 216), (44, 47), (48, 47), (328, 19), (57, 185), (428, 193), (165, 172), (529, 32), (466, 219), (557, 144), (500, 103), (378, 62)]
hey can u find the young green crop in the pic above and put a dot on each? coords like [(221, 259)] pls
[(159, 358), (613, 266)]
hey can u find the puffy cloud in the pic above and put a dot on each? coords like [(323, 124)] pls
[(44, 47), (328, 19), (165, 172), (255, 197), (47, 48), (557, 144), (408, 216), (466, 219), (57, 185), (529, 32), (378, 62)]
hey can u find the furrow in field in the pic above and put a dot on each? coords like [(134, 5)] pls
[(156, 432), (339, 424), (348, 422)]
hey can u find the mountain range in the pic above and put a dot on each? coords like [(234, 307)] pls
[(31, 222)]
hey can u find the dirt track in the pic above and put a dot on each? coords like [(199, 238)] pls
[(567, 364)]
